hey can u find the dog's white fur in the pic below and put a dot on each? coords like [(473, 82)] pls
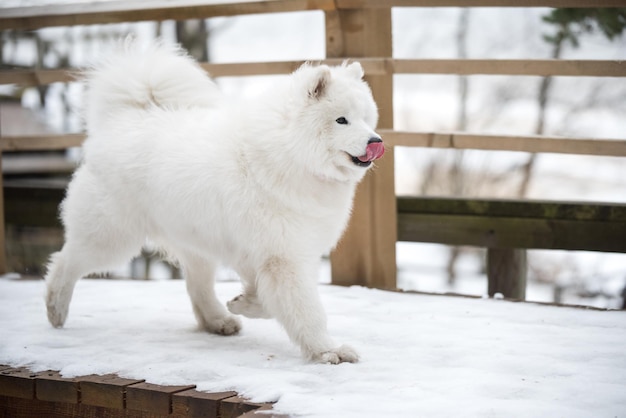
[(264, 186)]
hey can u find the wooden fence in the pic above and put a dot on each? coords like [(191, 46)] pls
[(360, 29)]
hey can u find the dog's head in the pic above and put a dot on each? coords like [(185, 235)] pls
[(337, 115)]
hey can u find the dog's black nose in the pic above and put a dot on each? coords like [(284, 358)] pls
[(374, 140)]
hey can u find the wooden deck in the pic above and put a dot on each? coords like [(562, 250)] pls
[(24, 394)]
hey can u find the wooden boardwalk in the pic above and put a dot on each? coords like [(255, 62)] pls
[(24, 394)]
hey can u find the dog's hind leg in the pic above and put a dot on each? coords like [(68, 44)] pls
[(212, 316), (78, 259), (61, 277), (97, 239)]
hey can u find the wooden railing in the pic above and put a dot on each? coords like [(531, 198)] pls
[(359, 29)]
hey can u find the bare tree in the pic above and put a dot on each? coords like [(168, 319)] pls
[(456, 170), (193, 35), (570, 25)]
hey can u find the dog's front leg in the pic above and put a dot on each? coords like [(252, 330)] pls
[(289, 293)]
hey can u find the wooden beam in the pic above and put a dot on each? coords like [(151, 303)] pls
[(366, 255), (372, 67), (519, 67), (34, 17), (38, 77), (511, 232), (513, 224), (40, 143), (506, 272), (34, 205), (537, 144), (534, 209), (374, 4), (3, 248)]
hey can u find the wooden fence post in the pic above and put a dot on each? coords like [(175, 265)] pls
[(366, 255), (3, 248), (506, 272)]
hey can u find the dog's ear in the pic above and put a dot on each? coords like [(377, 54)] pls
[(356, 70), (319, 82)]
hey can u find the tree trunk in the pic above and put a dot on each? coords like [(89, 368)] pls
[(543, 101), (456, 171)]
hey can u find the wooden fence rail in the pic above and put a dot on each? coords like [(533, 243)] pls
[(372, 66), (441, 140), (125, 11), (355, 29)]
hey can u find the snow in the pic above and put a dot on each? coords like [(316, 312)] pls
[(422, 355)]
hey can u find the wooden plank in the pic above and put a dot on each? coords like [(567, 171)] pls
[(38, 77), (152, 398), (591, 68), (506, 272), (3, 248), (265, 411), (366, 253), (511, 232), (105, 390), (42, 165), (30, 408), (17, 383), (34, 408), (41, 143), (51, 386), (372, 66), (236, 406), (27, 18), (535, 144), (32, 205), (192, 403), (540, 209), (374, 4)]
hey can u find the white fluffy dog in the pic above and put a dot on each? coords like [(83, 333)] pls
[(263, 186)]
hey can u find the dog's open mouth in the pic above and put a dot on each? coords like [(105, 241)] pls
[(375, 149)]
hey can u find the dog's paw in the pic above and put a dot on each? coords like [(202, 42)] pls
[(56, 317), (226, 325), (337, 355), (246, 306), (57, 310)]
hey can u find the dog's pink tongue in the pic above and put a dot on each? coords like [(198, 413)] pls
[(374, 151)]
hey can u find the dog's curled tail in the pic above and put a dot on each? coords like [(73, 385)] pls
[(159, 75)]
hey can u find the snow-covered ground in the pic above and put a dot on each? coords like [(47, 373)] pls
[(422, 356)]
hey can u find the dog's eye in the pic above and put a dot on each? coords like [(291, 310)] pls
[(342, 121)]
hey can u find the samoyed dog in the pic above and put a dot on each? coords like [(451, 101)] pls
[(264, 186)]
